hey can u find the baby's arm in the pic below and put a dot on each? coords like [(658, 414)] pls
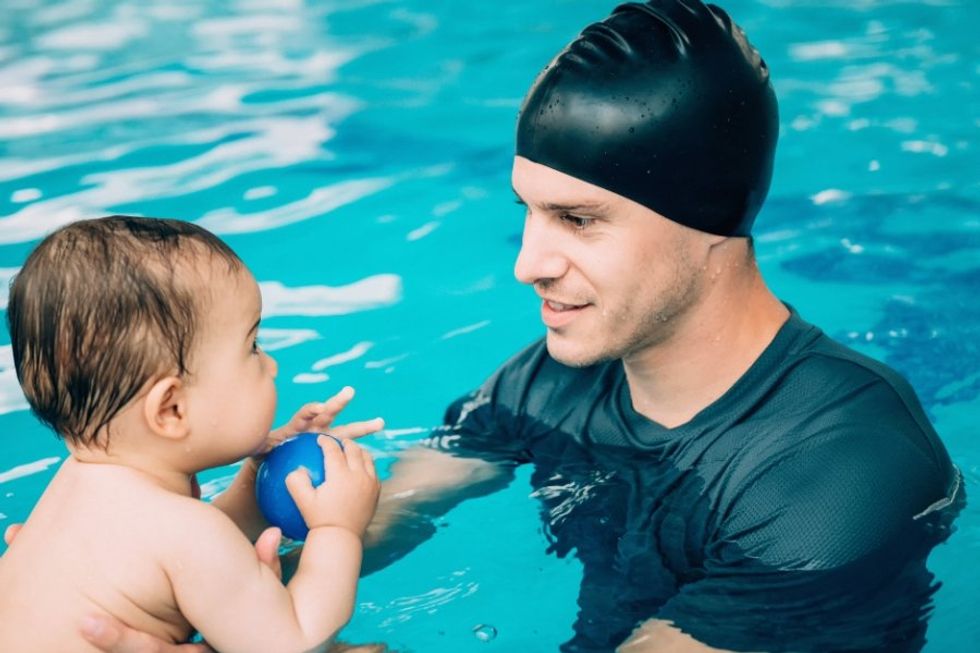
[(238, 604)]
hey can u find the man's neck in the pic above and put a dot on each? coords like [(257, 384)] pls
[(717, 341)]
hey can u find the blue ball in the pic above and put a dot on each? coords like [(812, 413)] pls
[(270, 486)]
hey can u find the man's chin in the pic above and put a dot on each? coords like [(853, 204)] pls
[(572, 353)]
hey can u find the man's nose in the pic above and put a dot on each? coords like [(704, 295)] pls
[(540, 257)]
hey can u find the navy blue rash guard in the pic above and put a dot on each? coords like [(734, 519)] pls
[(795, 513)]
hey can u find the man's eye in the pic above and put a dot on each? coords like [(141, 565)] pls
[(575, 221)]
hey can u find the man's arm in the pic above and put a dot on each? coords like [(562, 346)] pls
[(424, 484), (112, 636), (658, 636)]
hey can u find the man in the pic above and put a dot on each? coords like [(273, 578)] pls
[(729, 477)]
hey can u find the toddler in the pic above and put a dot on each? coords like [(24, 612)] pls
[(135, 340)]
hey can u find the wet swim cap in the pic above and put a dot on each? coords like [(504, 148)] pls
[(665, 103)]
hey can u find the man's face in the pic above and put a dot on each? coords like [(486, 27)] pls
[(615, 278)]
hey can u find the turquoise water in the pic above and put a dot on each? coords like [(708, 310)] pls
[(356, 154)]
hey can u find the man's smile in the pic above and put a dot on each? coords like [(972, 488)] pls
[(558, 314)]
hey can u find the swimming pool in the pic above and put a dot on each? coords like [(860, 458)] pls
[(356, 154)]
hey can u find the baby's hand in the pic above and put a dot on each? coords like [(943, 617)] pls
[(349, 495), (318, 417)]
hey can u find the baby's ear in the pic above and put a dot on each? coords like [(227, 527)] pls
[(165, 408)]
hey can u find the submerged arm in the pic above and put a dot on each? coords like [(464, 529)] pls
[(424, 484), (659, 636)]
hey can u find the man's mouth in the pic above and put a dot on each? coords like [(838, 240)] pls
[(558, 314), (560, 308)]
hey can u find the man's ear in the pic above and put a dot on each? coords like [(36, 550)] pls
[(165, 408)]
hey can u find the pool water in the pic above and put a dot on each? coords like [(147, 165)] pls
[(356, 154)]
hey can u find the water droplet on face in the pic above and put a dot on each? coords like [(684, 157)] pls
[(485, 632)]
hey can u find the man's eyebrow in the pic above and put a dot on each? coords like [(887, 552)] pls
[(591, 207)]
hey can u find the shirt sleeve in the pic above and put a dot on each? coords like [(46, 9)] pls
[(490, 423), (824, 548)]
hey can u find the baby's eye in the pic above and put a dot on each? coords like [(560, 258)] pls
[(255, 346)]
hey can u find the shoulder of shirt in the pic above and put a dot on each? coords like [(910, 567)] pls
[(856, 409), (866, 397), (833, 361), (829, 393)]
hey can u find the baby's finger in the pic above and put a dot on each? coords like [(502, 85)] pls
[(332, 406), (354, 455), (369, 468), (358, 429), (296, 424), (307, 411), (299, 486), (334, 458)]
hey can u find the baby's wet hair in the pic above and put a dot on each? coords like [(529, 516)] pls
[(100, 308)]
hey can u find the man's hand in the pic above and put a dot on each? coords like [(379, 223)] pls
[(112, 636), (658, 636)]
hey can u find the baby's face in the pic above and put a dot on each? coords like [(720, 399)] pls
[(231, 387)]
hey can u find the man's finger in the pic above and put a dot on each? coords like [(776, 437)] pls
[(111, 636)]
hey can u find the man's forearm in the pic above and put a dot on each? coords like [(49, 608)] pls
[(424, 484)]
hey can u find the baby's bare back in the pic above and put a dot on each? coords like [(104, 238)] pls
[(95, 543)]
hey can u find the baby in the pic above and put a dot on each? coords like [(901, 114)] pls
[(135, 340)]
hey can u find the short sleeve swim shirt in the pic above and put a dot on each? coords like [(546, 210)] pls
[(795, 513)]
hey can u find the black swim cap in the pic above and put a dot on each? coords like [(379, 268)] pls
[(663, 102)]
